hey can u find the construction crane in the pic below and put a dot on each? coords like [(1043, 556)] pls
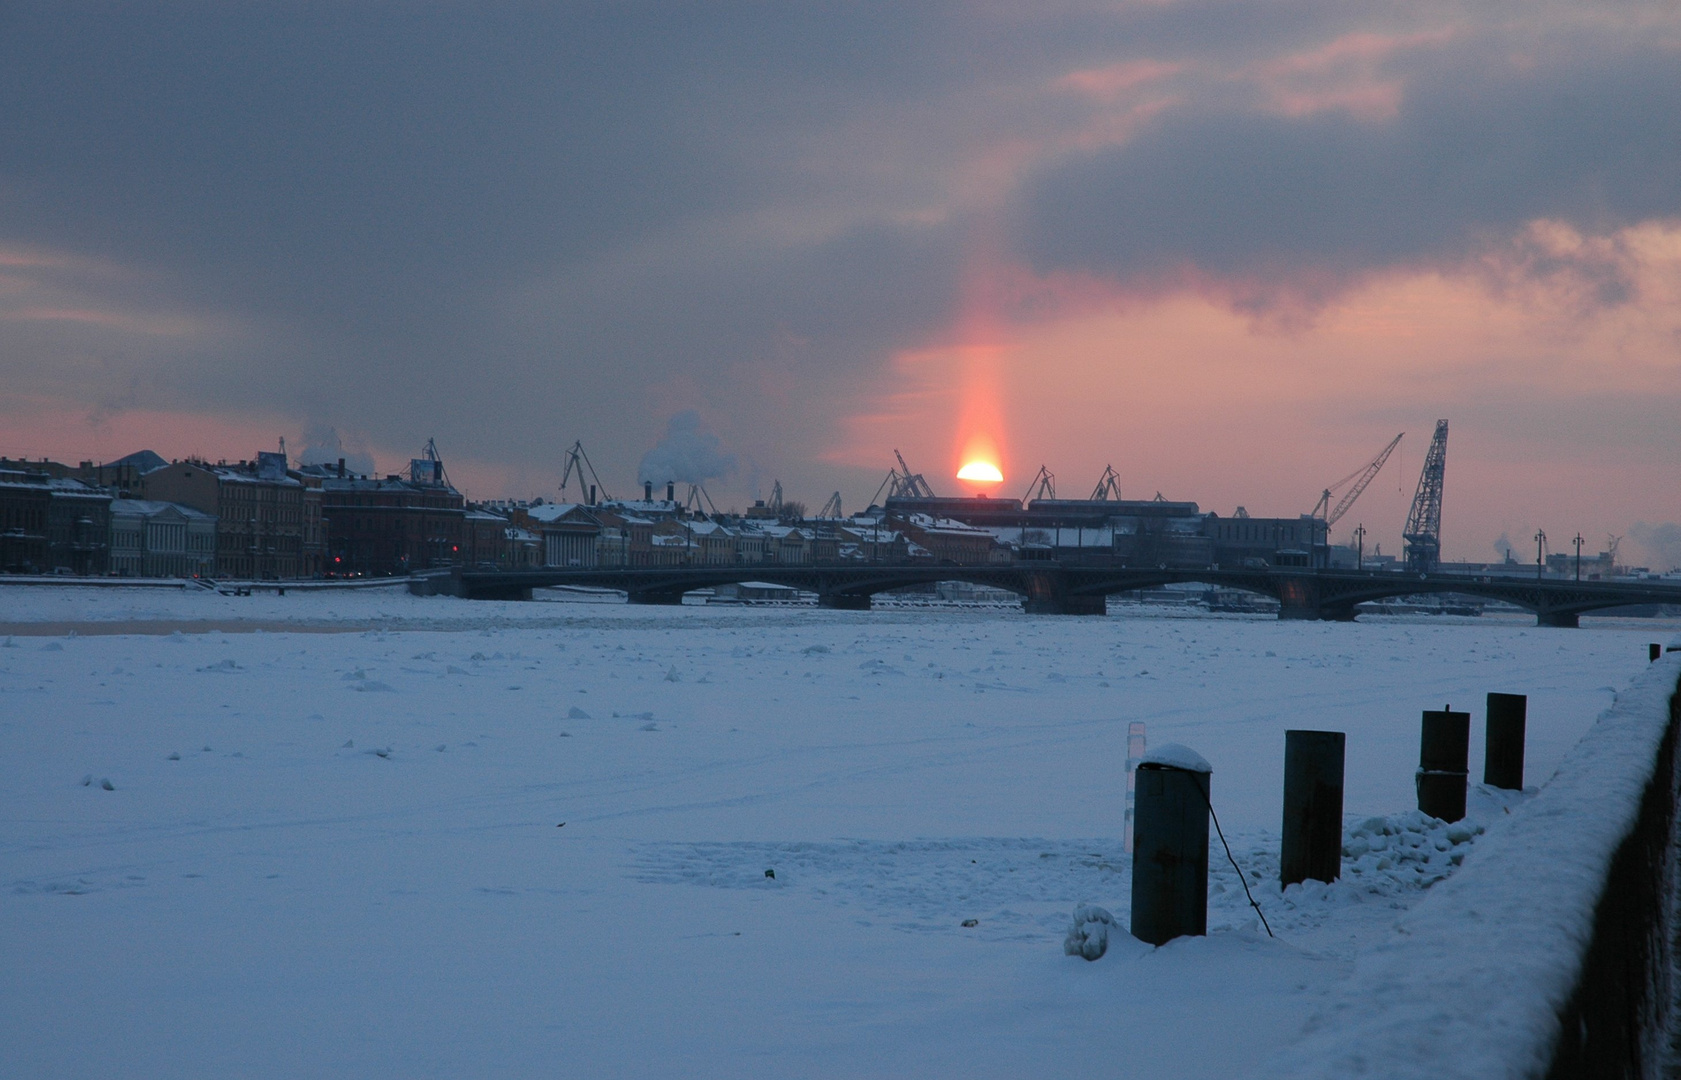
[(1360, 477), (1042, 487), (698, 501), (428, 468), (1423, 533), (901, 483), (1108, 486), (832, 508), (576, 463)]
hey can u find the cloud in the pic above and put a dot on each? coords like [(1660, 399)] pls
[(1480, 144), (689, 454), (1660, 541), (324, 446)]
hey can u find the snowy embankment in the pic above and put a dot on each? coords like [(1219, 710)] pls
[(1474, 980), (499, 839)]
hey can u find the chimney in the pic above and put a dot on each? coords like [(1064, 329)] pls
[(341, 468), (592, 494), (671, 491), (647, 491)]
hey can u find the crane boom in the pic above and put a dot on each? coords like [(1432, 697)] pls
[(1360, 478), (1365, 477)]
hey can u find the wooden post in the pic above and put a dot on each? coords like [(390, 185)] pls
[(1170, 853), (1443, 754), (1503, 756), (1313, 768)]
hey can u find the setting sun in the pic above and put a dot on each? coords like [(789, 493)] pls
[(983, 472)]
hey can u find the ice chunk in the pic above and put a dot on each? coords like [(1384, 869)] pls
[(1089, 934), (575, 713)]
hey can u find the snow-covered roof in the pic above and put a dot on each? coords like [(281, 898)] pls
[(148, 507)]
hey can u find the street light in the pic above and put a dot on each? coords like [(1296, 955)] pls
[(1540, 551), (1360, 539), (1578, 543)]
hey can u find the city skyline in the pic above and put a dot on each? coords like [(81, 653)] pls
[(1228, 252)]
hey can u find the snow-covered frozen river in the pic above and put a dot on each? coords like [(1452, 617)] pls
[(343, 854)]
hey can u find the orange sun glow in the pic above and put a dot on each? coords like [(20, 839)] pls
[(981, 472)]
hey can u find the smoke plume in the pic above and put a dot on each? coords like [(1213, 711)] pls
[(1661, 542), (324, 446), (689, 454)]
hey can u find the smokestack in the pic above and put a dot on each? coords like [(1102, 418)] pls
[(341, 468), (647, 491), (671, 491), (592, 494)]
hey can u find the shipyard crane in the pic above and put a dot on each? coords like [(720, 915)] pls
[(832, 508), (428, 468), (1108, 486), (1359, 478), (1042, 487), (698, 501), (576, 463), (901, 483), (1423, 533)]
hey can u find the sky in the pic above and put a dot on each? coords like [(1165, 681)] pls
[(1229, 248)]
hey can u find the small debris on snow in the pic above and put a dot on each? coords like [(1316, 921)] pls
[(1088, 936), (971, 922), (672, 676), (348, 744), (650, 726), (107, 785), (771, 874), (175, 757), (88, 779)]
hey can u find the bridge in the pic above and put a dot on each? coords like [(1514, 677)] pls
[(1065, 589)]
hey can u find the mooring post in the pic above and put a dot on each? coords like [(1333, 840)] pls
[(1170, 846), (1653, 651), (1444, 751), (1503, 755), (1313, 762)]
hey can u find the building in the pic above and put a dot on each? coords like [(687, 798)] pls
[(379, 527), (571, 534), (24, 502), (262, 515), (78, 527), (1243, 541), (159, 539)]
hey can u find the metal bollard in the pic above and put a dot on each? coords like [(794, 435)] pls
[(1653, 651), (1503, 752), (1443, 753), (1313, 762), (1170, 846)]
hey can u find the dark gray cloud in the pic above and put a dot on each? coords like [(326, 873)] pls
[(510, 227), (1585, 131)]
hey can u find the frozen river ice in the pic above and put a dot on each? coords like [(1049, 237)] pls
[(342, 854)]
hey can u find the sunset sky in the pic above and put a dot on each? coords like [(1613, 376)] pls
[(1229, 248)]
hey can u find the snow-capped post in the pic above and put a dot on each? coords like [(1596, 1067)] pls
[(1313, 766), (1170, 846), (1503, 758), (1444, 752), (1653, 651)]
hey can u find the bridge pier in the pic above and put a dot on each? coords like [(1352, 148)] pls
[(1570, 620), (1047, 594), (844, 601)]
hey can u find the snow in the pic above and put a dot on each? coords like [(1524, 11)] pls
[(1176, 756), (532, 851), (1508, 933)]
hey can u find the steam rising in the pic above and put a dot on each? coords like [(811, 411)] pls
[(689, 454), (324, 446)]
